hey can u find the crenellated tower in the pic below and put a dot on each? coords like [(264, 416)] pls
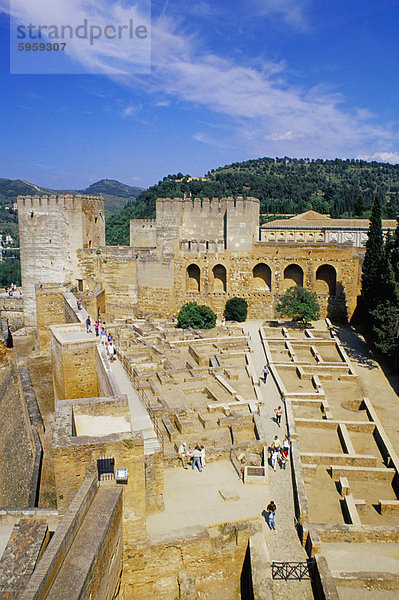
[(51, 231)]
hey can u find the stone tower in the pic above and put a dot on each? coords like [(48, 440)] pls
[(51, 231)]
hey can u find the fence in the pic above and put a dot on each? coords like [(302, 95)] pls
[(293, 570)]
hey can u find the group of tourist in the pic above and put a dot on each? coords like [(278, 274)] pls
[(197, 456), (10, 290), (107, 339), (279, 452)]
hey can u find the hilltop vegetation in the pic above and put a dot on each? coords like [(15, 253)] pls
[(115, 194), (341, 188)]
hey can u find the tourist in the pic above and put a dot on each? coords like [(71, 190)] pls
[(202, 448), (275, 443), (96, 328), (103, 334), (79, 303), (111, 351), (223, 321), (278, 412), (197, 458), (275, 457), (283, 459), (286, 447), (182, 454), (265, 373), (271, 509), (88, 324)]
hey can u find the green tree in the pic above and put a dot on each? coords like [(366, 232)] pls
[(236, 309), (299, 304), (383, 316), (10, 272), (196, 316), (373, 260)]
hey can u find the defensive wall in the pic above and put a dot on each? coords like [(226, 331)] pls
[(51, 230), (207, 250)]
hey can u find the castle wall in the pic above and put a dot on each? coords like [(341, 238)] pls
[(74, 455), (50, 311), (262, 298), (143, 233), (197, 562), (17, 447), (114, 269), (51, 230), (73, 355)]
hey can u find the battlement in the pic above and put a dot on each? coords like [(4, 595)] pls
[(53, 201), (178, 206)]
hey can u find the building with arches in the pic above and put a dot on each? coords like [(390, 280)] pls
[(206, 250)]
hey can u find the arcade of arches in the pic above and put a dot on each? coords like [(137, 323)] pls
[(325, 284)]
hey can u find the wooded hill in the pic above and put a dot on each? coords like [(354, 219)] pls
[(341, 188)]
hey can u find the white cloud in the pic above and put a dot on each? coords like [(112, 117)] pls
[(292, 12), (388, 157), (264, 112), (129, 110)]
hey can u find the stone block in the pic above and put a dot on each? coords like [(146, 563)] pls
[(229, 495)]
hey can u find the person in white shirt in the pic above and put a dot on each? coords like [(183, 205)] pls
[(202, 448), (182, 454)]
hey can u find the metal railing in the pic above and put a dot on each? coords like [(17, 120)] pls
[(293, 570)]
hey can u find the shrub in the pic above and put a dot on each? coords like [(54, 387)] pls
[(196, 316), (236, 309)]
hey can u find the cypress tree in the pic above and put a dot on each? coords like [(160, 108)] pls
[(395, 253), (374, 259), (383, 317)]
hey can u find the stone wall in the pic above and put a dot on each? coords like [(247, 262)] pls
[(16, 442), (12, 309), (83, 559), (75, 455), (74, 362), (197, 562), (51, 230), (262, 295), (50, 311)]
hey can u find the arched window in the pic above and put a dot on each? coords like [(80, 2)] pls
[(293, 275), (219, 278), (262, 277), (193, 275), (326, 280)]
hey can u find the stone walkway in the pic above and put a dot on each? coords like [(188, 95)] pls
[(283, 544), (139, 417)]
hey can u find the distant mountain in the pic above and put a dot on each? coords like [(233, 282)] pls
[(115, 194)]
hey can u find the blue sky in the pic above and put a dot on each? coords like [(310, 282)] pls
[(229, 81)]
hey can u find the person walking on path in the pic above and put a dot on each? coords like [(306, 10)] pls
[(276, 443), (271, 510), (88, 324), (286, 447), (278, 412), (96, 328), (202, 449), (265, 373), (197, 459), (103, 333), (275, 457), (182, 454)]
